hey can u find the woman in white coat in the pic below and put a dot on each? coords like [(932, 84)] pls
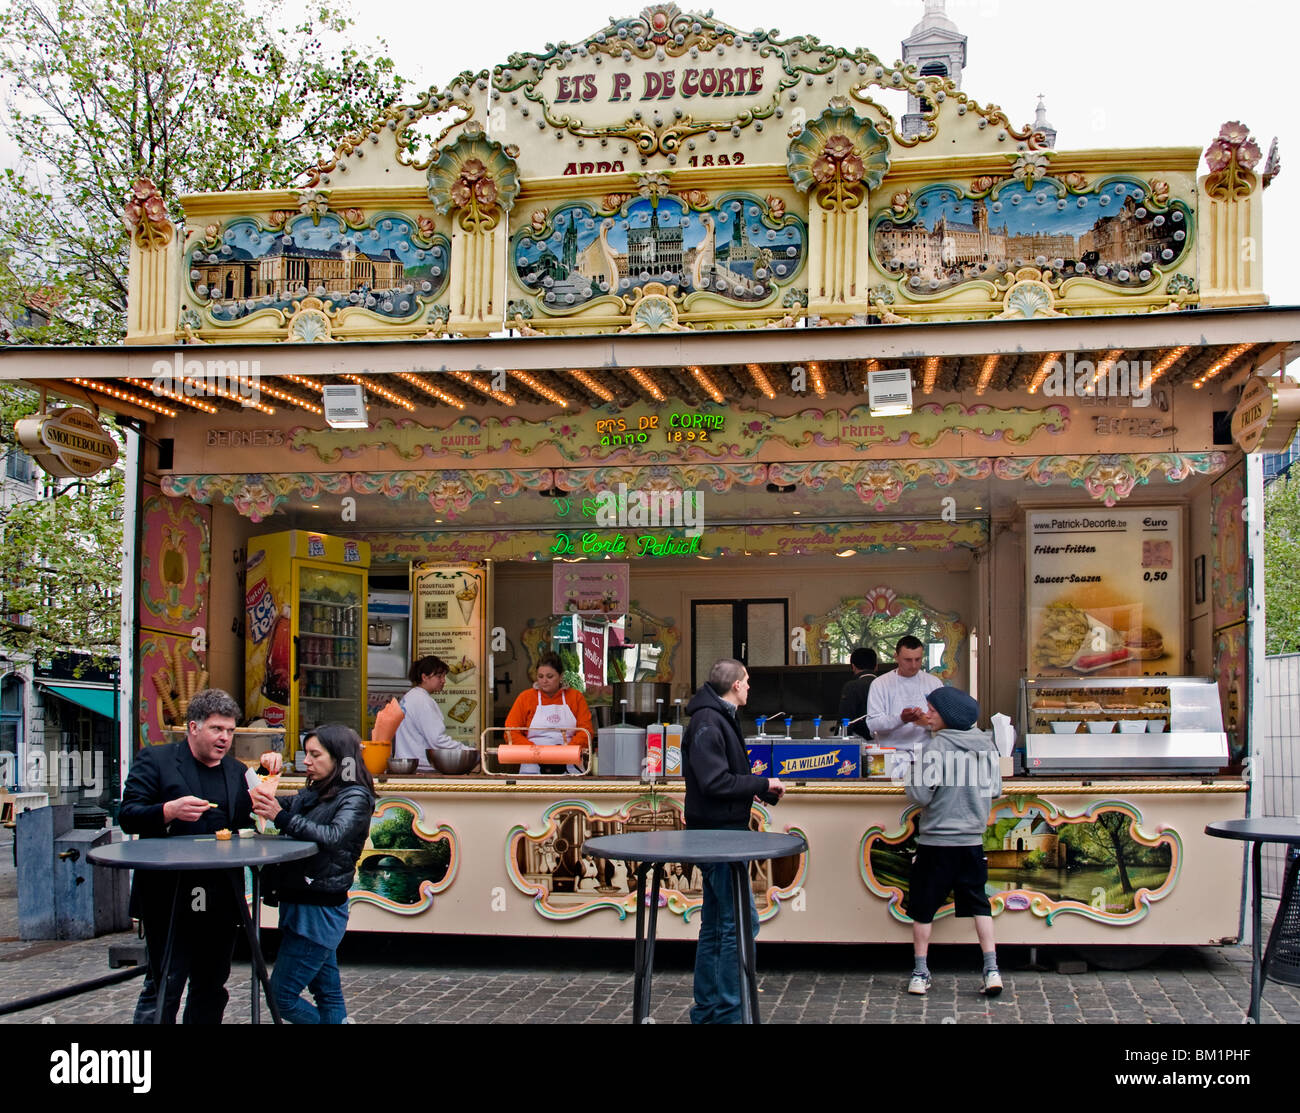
[(423, 728)]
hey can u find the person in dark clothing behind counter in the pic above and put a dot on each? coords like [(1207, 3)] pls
[(719, 791), (853, 696)]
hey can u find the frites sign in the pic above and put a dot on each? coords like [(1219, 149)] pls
[(1266, 415), (68, 442)]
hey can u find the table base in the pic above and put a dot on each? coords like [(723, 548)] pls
[(746, 951)]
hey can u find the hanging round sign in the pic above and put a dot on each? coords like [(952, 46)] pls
[(68, 442), (1266, 414)]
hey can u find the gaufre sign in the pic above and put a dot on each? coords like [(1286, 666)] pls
[(67, 442)]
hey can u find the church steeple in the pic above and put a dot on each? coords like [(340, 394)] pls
[(936, 48), (1041, 124), (569, 250)]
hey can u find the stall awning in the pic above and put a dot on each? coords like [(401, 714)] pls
[(98, 700), (1227, 344)]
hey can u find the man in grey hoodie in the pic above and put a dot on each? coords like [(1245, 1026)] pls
[(954, 779)]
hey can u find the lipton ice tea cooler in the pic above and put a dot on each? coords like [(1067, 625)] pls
[(305, 632)]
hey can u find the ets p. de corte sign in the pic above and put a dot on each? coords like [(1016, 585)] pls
[(67, 443)]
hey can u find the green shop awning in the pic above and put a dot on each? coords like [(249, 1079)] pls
[(98, 700)]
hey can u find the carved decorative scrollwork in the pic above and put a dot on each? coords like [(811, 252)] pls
[(476, 177), (837, 158), (1231, 158), (312, 322), (145, 216)]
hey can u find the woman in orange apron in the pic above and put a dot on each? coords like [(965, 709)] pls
[(549, 714)]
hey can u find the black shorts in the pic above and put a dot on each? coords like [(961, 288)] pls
[(940, 870)]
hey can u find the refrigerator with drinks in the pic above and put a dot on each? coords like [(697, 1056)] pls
[(305, 635), (388, 650)]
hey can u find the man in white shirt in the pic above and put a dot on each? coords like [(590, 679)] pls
[(896, 705)]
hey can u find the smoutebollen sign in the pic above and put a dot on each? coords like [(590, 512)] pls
[(67, 442)]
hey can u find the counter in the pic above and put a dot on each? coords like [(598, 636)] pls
[(1070, 861)]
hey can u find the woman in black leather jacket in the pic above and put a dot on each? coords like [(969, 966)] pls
[(334, 812)]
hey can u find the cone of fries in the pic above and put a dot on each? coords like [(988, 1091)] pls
[(267, 782)]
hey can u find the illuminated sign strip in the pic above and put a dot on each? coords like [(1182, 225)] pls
[(931, 374), (206, 407), (986, 373), (292, 399), (383, 392), (1041, 373), (709, 387), (647, 384), (1219, 364), (1169, 360), (1107, 362), (125, 396), (483, 388), (540, 389), (593, 386), (430, 389), (761, 380)]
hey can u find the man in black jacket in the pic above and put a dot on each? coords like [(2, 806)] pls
[(194, 787), (853, 696), (719, 792)]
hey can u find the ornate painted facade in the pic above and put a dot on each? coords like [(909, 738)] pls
[(670, 171)]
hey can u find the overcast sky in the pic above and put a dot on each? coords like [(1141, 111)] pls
[(1115, 73)]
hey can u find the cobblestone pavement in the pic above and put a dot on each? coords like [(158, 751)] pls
[(449, 979)]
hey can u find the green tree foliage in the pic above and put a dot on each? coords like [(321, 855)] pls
[(394, 833), (196, 95), (1108, 841), (60, 556), (855, 627), (1281, 565)]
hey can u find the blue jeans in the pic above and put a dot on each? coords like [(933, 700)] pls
[(302, 964), (717, 974)]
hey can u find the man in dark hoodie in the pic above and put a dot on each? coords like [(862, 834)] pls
[(955, 779), (719, 791)]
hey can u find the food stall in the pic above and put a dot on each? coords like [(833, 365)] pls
[(625, 328)]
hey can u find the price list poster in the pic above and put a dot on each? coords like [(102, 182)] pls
[(450, 603), (1104, 592)]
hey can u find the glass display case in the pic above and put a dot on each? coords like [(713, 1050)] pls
[(1122, 726)]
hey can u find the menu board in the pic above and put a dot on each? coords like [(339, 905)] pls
[(596, 587), (449, 605), (1104, 592)]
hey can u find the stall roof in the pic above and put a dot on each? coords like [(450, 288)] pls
[(1183, 347)]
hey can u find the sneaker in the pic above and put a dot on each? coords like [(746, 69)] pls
[(920, 984), (992, 983)]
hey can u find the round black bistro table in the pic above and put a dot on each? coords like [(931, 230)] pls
[(206, 852), (734, 848), (1259, 830)]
